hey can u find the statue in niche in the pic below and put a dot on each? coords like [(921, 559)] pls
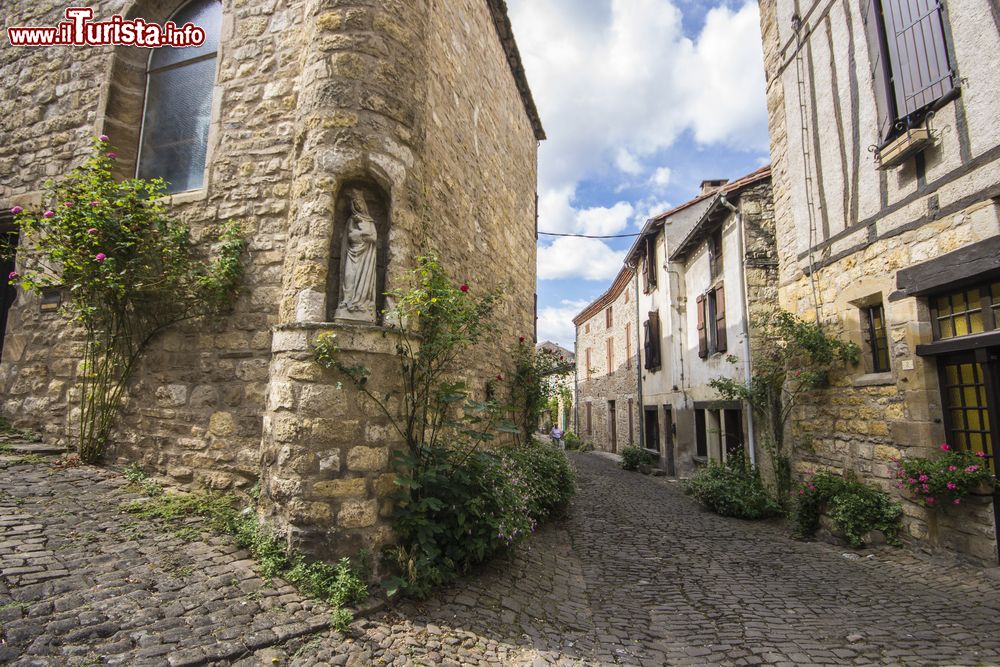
[(359, 264)]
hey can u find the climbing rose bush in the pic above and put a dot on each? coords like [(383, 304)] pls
[(130, 271), (946, 479)]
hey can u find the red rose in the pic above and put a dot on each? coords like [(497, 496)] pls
[(464, 287), (499, 377)]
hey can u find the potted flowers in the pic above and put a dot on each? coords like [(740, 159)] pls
[(946, 479)]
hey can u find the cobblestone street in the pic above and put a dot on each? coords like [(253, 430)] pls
[(639, 574)]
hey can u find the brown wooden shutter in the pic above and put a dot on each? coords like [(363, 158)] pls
[(720, 319), (702, 333), (871, 14), (654, 320), (590, 423), (651, 262), (917, 52)]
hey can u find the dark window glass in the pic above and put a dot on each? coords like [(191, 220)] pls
[(701, 435), (878, 341), (179, 85)]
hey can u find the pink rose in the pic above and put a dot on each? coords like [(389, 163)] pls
[(981, 455), (100, 257), (956, 501), (972, 469), (952, 468), (95, 203), (92, 231), (952, 486), (68, 204), (912, 481), (49, 214), (945, 447), (12, 275), (923, 478), (103, 138), (112, 154), (929, 500), (15, 210)]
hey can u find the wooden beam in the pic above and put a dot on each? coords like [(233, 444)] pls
[(973, 262)]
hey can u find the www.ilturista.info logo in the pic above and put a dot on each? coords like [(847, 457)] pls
[(79, 30)]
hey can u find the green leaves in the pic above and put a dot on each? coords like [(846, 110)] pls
[(130, 271), (732, 489)]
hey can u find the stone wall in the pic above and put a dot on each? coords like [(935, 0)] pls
[(597, 384), (867, 224), (418, 104)]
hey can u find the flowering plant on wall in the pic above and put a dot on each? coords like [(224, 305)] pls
[(129, 269), (946, 479)]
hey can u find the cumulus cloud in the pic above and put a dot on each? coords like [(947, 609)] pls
[(572, 257), (555, 323), (617, 80), (660, 178)]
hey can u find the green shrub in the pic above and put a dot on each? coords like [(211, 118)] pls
[(854, 508), (571, 440), (458, 509), (633, 457), (732, 489), (946, 479)]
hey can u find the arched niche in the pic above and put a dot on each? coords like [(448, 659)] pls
[(377, 203)]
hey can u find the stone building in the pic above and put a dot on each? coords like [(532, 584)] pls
[(886, 157), (606, 383), (705, 265), (304, 119), (562, 386)]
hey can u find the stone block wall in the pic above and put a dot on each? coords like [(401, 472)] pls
[(867, 224), (598, 384), (417, 102)]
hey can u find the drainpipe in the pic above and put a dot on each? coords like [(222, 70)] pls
[(576, 389), (747, 374), (638, 365)]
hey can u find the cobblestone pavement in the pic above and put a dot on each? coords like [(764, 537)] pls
[(638, 575)]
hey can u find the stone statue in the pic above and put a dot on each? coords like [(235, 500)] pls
[(358, 268)]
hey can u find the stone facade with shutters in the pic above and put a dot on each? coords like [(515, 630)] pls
[(607, 405), (882, 206), (424, 106)]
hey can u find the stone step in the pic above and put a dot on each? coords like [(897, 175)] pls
[(34, 448)]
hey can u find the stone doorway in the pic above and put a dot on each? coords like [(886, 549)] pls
[(8, 294)]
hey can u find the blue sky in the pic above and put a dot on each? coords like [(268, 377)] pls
[(641, 101)]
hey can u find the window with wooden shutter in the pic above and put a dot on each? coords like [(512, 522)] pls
[(608, 318), (909, 60), (649, 264), (702, 333), (628, 342), (720, 319), (611, 356), (652, 341)]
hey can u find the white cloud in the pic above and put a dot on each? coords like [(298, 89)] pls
[(600, 220), (617, 80), (570, 257), (648, 208), (555, 323), (627, 163), (660, 178)]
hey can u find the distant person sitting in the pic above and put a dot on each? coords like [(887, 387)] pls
[(556, 434)]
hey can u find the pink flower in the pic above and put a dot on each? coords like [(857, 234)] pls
[(100, 257), (972, 469), (956, 501), (95, 203), (15, 210), (811, 486), (912, 481), (899, 473), (464, 287), (103, 138), (12, 275), (923, 478), (49, 214), (68, 204), (92, 231), (981, 455), (520, 339), (926, 488), (499, 377), (945, 447), (952, 468), (801, 492), (929, 500), (112, 154), (899, 485), (952, 486)]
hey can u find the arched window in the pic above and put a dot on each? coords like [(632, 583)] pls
[(178, 110)]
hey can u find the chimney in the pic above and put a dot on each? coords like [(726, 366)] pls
[(713, 185)]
